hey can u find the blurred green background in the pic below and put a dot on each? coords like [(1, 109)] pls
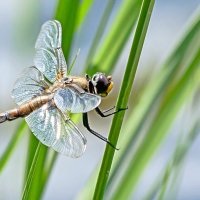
[(20, 23)]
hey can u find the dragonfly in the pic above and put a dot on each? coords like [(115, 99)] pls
[(46, 95)]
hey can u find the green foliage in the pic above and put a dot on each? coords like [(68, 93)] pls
[(31, 174), (67, 13), (169, 90), (184, 55), (98, 35), (173, 169), (11, 146), (124, 94), (158, 130), (116, 38), (83, 10)]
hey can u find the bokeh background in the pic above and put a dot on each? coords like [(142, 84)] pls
[(20, 22)]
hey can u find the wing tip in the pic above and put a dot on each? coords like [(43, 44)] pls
[(53, 23)]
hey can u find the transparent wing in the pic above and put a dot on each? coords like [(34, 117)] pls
[(50, 36), (29, 85), (49, 126), (69, 99), (49, 58)]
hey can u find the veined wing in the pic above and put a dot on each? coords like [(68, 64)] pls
[(49, 126), (69, 99), (29, 85), (49, 58)]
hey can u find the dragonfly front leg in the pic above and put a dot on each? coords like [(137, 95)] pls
[(86, 124), (102, 113)]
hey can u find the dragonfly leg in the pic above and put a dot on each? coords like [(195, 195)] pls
[(87, 77), (86, 124), (102, 113), (109, 109)]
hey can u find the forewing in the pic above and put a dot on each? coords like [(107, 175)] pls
[(29, 85), (69, 99), (49, 58), (49, 126), (50, 36)]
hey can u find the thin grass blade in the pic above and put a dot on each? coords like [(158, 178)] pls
[(125, 90), (25, 195), (173, 168), (172, 103), (32, 146), (150, 97), (82, 12), (12, 144), (108, 53), (99, 33), (178, 161), (67, 13)]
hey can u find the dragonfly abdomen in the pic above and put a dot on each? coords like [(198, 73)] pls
[(25, 109)]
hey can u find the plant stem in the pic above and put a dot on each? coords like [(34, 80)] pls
[(125, 91)]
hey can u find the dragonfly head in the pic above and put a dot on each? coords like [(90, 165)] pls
[(102, 83)]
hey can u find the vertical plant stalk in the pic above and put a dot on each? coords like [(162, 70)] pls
[(115, 35), (99, 32), (32, 146), (115, 40), (178, 59), (178, 161), (11, 146), (138, 41), (175, 99), (25, 195), (66, 13), (167, 180), (82, 12)]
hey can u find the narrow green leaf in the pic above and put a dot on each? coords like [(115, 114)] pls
[(173, 168), (179, 56), (178, 161), (48, 168), (67, 13), (128, 8), (32, 146), (172, 103), (11, 146), (83, 10), (35, 186), (100, 30), (124, 94), (150, 97), (160, 183), (25, 195), (116, 38), (164, 182)]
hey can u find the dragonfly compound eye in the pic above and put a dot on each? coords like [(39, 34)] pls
[(102, 83)]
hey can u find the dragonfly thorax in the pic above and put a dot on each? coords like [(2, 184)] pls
[(45, 96), (53, 88)]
